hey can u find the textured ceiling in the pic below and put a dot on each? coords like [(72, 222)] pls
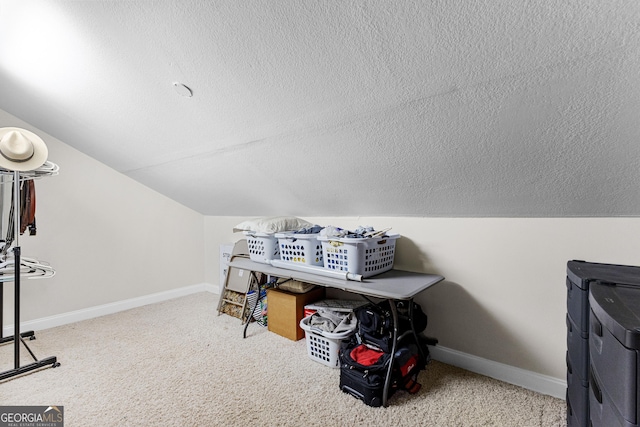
[(416, 108)]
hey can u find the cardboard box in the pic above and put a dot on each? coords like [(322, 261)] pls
[(285, 311)]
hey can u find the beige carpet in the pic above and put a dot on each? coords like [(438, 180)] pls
[(178, 363)]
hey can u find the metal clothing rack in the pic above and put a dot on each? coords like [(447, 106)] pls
[(18, 337)]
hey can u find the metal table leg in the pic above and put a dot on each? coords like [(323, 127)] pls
[(387, 380)]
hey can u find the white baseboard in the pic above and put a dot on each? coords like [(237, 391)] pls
[(530, 380), (111, 308)]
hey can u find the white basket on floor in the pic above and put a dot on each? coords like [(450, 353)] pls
[(300, 248), (365, 256), (323, 346), (263, 247)]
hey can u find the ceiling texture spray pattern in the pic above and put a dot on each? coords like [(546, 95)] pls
[(326, 108)]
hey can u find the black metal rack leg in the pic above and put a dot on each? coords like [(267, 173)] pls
[(17, 337), (53, 361), (16, 308)]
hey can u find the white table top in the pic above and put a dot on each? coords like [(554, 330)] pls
[(393, 284)]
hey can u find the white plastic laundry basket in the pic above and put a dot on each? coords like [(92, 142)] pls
[(300, 248), (323, 346), (365, 256), (263, 247)]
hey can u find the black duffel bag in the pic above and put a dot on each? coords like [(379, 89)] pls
[(375, 322), (363, 376), (363, 370), (375, 325)]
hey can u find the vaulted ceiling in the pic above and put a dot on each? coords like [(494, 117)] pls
[(383, 107)]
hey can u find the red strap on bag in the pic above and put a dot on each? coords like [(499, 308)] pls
[(412, 386), (365, 356)]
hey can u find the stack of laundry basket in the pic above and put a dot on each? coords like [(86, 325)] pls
[(329, 323)]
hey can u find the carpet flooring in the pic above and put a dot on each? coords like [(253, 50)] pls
[(179, 363)]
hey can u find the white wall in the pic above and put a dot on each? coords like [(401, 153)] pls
[(108, 237), (504, 298)]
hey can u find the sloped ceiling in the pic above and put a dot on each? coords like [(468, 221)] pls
[(322, 108)]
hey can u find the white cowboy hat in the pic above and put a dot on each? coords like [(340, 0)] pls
[(21, 150)]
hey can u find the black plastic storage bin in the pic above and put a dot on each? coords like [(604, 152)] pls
[(578, 300), (581, 278), (614, 350), (577, 350), (577, 400)]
